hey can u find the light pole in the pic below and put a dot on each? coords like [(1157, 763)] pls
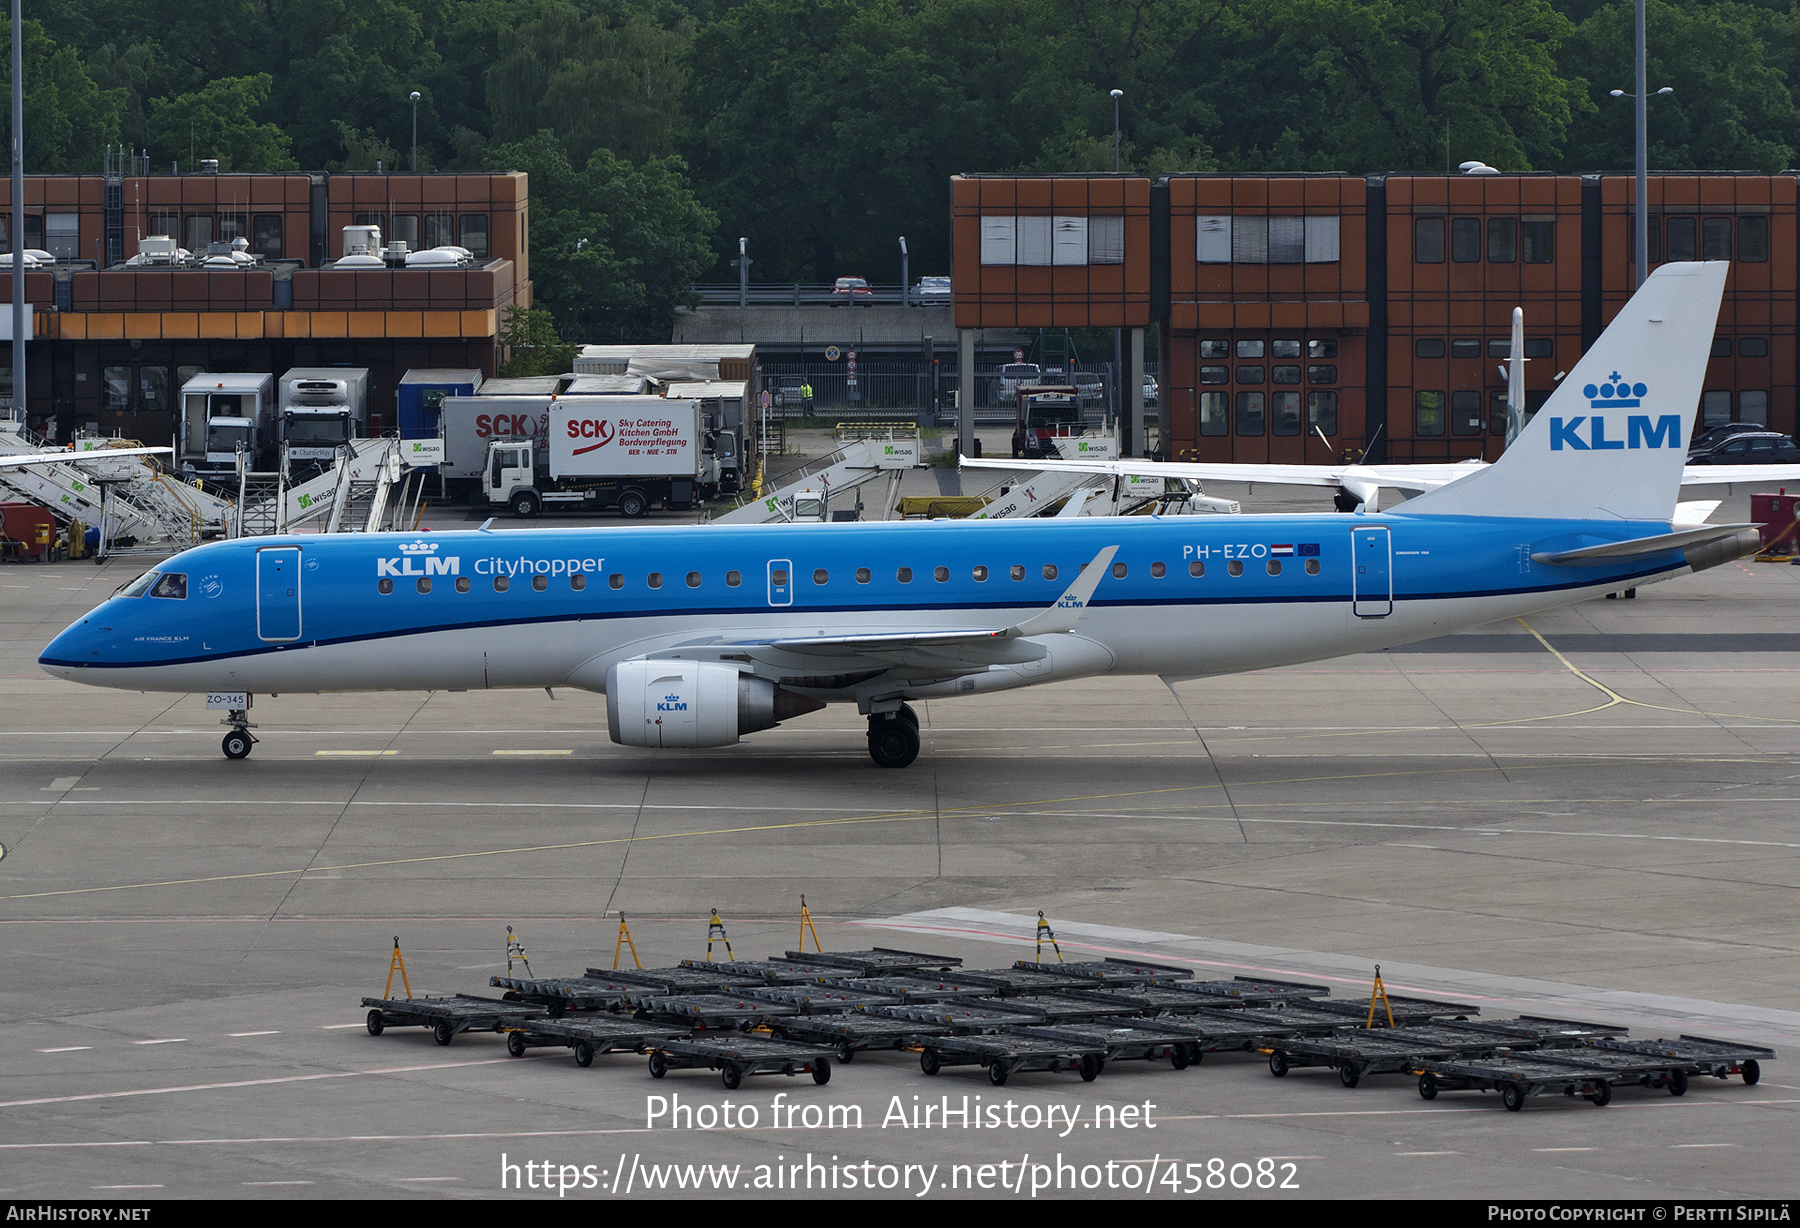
[(18, 217), (1116, 95), (415, 101), (1641, 100), (905, 293)]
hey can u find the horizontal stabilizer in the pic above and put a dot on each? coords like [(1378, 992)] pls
[(1637, 546)]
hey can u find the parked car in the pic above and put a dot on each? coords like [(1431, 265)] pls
[(787, 390), (932, 288), (1761, 448), (1013, 376), (1149, 391), (1093, 387), (850, 290), (1713, 436)]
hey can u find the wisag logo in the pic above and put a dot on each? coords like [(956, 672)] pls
[(671, 703), (1640, 432), (414, 553)]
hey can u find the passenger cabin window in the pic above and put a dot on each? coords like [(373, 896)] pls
[(540, 583), (862, 575), (1196, 569), (615, 580), (981, 574), (940, 574), (693, 579), (733, 579), (501, 584), (1158, 570), (1234, 568), (424, 584), (462, 583), (655, 579), (821, 576), (1049, 571), (384, 586), (1017, 571), (1312, 567), (904, 575), (1118, 570)]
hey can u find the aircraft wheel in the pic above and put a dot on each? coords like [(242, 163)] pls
[(907, 714), (236, 744), (893, 743)]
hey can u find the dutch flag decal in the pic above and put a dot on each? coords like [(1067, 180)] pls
[(1280, 550)]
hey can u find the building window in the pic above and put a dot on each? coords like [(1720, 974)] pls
[(34, 231), (473, 232), (1753, 239), (115, 389), (1106, 240), (1655, 231), (1215, 375), (1536, 347), (1540, 241), (1681, 238), (1503, 240), (234, 226), (1249, 413), (1428, 240), (1284, 413), (1428, 414), (1284, 375), (1322, 373), (1250, 240), (1322, 412), (62, 235), (1322, 348), (1753, 347), (1465, 412), (1250, 349), (1721, 348), (1715, 408), (1499, 347), (1214, 414), (1032, 245), (1284, 348), (440, 230), (1497, 414), (1428, 347), (197, 232), (265, 238), (403, 228), (1287, 240), (1249, 375), (1715, 238), (1215, 347), (167, 224), (1212, 239), (1465, 240), (1465, 347), (1322, 240), (1068, 240), (1753, 407), (153, 390)]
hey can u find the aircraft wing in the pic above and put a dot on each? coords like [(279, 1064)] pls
[(1356, 478), (1726, 475), (63, 458)]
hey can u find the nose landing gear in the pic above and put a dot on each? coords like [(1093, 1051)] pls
[(238, 742)]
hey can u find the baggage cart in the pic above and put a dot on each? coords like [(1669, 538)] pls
[(1406, 1011), (1114, 971), (876, 960), (710, 1011), (1124, 1044), (1010, 982), (852, 1031), (1252, 991), (447, 1016), (1718, 1058), (960, 1018), (591, 1037), (1517, 1079), (771, 971), (1070, 1008), (822, 999), (1360, 1052), (910, 987), (678, 980), (1643, 1069), (1206, 1032), (738, 1057), (560, 994), (1006, 1054)]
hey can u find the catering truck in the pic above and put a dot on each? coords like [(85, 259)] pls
[(629, 453), (321, 410), (221, 414)]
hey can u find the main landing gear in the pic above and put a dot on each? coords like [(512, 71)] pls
[(238, 742), (894, 737)]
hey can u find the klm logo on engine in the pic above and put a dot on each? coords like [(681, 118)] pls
[(414, 553), (1640, 431), (671, 703)]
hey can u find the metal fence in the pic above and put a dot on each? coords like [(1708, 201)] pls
[(799, 294), (889, 386)]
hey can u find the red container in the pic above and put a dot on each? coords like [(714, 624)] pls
[(22, 524), (1777, 515)]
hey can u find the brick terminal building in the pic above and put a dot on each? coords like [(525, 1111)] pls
[(1376, 310), (113, 344)]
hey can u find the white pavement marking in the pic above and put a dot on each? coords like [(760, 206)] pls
[(1757, 1023), (334, 1027), (59, 784), (356, 752), (210, 1087), (277, 1032), (275, 1183), (127, 1187), (524, 752), (169, 1040), (1565, 1149), (67, 1049), (1428, 1153), (430, 1178), (1693, 1146)]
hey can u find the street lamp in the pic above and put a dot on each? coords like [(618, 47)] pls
[(415, 101), (905, 293), (1116, 95), (1641, 98), (17, 407)]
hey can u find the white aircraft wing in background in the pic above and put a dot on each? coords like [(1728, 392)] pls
[(63, 458)]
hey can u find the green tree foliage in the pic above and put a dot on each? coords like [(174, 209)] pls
[(67, 114), (529, 337), (217, 121), (614, 245)]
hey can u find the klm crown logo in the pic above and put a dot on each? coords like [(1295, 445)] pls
[(1617, 393), (418, 547), (1641, 431)]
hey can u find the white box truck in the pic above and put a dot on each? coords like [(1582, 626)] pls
[(221, 412), (629, 453), (321, 409), (470, 423)]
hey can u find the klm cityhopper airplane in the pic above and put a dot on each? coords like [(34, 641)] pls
[(700, 634)]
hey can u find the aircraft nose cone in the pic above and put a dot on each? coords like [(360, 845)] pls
[(77, 646)]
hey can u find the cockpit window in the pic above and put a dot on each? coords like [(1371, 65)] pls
[(139, 586), (173, 584)]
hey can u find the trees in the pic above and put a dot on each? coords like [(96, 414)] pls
[(529, 336), (67, 115), (216, 121)]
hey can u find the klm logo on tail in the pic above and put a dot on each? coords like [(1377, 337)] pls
[(1640, 431)]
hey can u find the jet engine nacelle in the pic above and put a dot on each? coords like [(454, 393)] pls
[(690, 704)]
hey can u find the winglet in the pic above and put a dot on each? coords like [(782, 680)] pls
[(1060, 618)]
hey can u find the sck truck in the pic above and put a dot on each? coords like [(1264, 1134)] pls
[(629, 453)]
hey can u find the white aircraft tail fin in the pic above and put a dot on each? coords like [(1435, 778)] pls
[(1611, 441)]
